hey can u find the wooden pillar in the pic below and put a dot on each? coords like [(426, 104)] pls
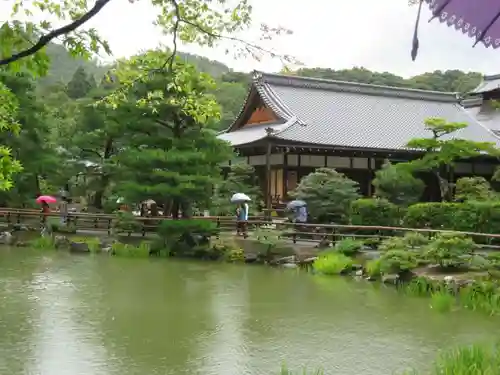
[(370, 177), (285, 176), (268, 177)]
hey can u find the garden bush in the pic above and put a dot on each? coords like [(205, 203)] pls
[(410, 241), (450, 250), (187, 236), (375, 212), (398, 261), (481, 217), (349, 246)]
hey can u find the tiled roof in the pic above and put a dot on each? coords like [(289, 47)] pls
[(489, 83), (253, 133), (355, 115), (484, 113)]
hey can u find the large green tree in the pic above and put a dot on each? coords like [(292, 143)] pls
[(439, 151), (172, 155), (31, 146)]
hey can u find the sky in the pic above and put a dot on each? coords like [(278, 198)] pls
[(334, 34)]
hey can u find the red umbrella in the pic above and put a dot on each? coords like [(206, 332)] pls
[(479, 19), (46, 198)]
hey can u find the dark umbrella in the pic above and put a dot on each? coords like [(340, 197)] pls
[(479, 19), (295, 204)]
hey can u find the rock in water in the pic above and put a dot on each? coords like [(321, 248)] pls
[(390, 279), (79, 247), (6, 238), (61, 242)]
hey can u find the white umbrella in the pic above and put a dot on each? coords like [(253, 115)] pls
[(240, 197)]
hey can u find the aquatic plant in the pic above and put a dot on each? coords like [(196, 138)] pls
[(469, 360), (332, 264), (442, 301), (43, 243), (483, 296), (373, 268), (126, 250)]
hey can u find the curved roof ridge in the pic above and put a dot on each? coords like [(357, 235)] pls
[(355, 87), (473, 118), (491, 77)]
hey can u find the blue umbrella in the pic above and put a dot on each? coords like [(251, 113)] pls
[(295, 204)]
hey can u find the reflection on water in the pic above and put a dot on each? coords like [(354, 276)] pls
[(63, 315)]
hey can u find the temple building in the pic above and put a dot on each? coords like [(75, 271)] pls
[(291, 125), (482, 103)]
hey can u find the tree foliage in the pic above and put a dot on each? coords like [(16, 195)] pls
[(328, 194), (172, 156), (240, 179), (441, 150)]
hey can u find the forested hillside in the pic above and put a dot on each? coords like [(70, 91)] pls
[(232, 86)]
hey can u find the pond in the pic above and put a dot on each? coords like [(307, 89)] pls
[(67, 315)]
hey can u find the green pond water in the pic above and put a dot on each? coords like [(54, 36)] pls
[(84, 315)]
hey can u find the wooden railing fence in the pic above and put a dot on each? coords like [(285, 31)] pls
[(295, 232)]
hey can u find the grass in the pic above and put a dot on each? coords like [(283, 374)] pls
[(332, 264)]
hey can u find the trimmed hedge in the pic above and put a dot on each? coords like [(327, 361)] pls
[(480, 217), (375, 212)]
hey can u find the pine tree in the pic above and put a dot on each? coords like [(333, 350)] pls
[(80, 84), (172, 156)]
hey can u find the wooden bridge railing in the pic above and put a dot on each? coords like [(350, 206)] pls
[(296, 232)]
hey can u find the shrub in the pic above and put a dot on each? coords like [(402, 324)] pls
[(411, 241), (397, 261), (93, 243), (374, 212), (397, 185), (328, 194), (474, 189), (349, 246), (482, 217), (415, 240), (125, 222), (332, 264), (187, 236), (449, 250), (494, 260)]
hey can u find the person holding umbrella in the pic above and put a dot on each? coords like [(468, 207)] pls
[(299, 209), (44, 201), (241, 213)]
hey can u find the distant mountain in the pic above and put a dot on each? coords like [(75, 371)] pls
[(212, 67), (63, 66)]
